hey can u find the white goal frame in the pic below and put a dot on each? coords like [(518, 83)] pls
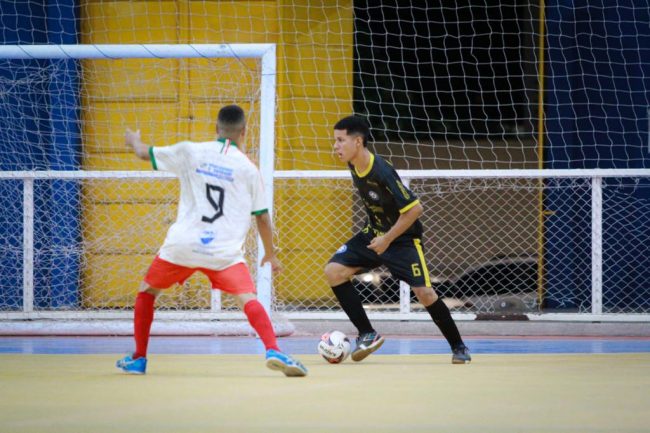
[(113, 322)]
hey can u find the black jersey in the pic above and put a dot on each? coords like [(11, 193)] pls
[(385, 197)]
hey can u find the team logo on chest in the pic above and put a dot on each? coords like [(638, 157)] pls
[(207, 236), (373, 195)]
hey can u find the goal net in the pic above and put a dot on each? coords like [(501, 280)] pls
[(89, 230), (523, 129)]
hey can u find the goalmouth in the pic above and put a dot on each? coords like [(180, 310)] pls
[(104, 320)]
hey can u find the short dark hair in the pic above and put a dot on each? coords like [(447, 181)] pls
[(355, 125), (231, 120)]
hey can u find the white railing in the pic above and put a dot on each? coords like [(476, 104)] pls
[(265, 290)]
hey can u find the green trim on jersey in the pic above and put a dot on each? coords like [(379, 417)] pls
[(259, 212), (223, 141), (152, 158)]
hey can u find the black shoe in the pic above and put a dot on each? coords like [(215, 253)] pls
[(366, 344), (461, 355)]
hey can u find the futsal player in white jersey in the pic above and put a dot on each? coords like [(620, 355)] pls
[(220, 190)]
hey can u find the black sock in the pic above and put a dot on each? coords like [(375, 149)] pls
[(351, 304), (442, 318)]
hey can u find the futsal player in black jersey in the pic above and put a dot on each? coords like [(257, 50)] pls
[(392, 237)]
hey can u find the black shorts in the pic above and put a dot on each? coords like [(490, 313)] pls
[(404, 258)]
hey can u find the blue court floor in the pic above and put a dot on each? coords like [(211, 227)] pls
[(307, 345)]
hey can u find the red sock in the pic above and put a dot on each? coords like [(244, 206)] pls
[(142, 318), (260, 321)]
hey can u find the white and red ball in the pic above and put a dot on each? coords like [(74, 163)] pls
[(334, 347)]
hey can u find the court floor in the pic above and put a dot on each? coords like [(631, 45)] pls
[(220, 384), (395, 345)]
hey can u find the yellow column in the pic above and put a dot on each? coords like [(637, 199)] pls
[(315, 57)]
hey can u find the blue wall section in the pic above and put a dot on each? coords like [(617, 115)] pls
[(41, 133), (596, 102), (65, 234), (598, 84)]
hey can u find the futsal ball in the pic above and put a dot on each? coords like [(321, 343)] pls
[(334, 347)]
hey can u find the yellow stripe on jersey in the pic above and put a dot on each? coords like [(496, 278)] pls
[(367, 170), (409, 206), (418, 247), (403, 190)]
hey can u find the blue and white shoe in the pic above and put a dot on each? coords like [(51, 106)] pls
[(132, 366), (280, 361)]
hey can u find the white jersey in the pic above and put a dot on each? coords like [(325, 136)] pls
[(220, 190)]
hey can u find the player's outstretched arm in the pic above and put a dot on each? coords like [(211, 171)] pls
[(265, 229), (133, 140)]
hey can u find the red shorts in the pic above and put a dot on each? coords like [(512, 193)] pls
[(235, 279)]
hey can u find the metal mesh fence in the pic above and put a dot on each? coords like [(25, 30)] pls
[(492, 245)]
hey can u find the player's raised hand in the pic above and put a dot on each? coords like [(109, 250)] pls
[(132, 137)]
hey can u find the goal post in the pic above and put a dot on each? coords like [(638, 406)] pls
[(188, 322)]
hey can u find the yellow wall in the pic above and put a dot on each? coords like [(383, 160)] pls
[(315, 57), (315, 89)]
